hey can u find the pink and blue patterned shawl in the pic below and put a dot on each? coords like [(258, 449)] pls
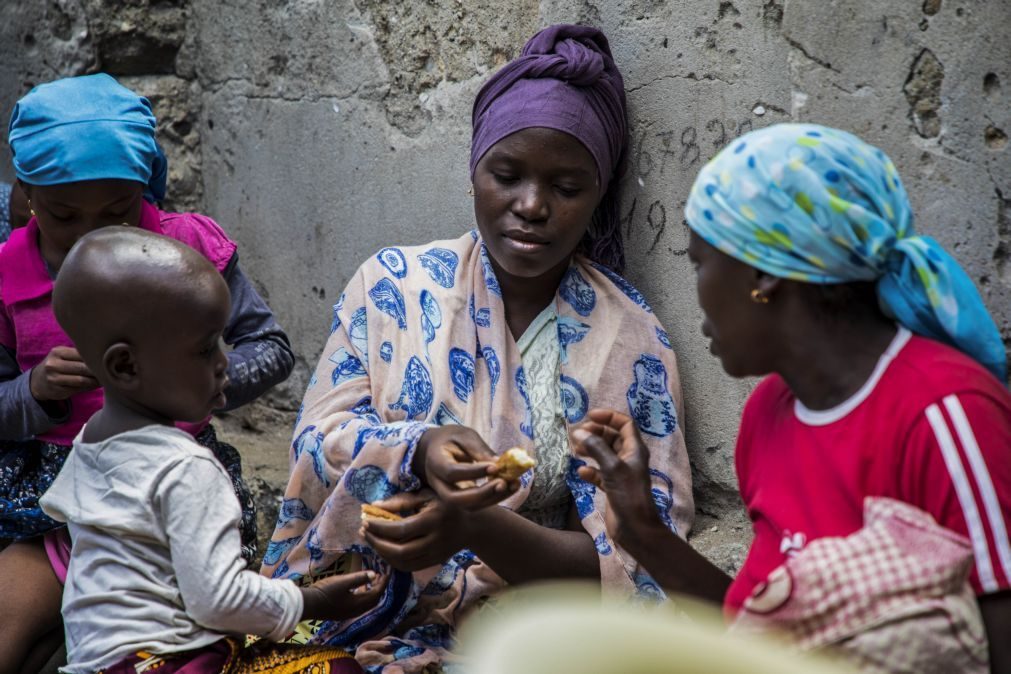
[(419, 338)]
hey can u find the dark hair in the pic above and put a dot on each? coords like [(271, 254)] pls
[(602, 242)]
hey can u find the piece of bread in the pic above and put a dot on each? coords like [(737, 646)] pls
[(513, 463), (369, 510)]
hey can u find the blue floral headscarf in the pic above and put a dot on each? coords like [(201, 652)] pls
[(86, 128), (819, 205)]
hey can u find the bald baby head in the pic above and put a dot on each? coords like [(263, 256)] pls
[(130, 299), (118, 281)]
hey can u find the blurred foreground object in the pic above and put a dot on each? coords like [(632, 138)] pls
[(568, 628)]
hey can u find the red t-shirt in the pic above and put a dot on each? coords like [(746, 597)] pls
[(931, 427)]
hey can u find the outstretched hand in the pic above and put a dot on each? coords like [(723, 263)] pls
[(449, 458), (344, 596), (612, 441)]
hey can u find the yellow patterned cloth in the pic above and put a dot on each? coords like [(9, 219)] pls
[(271, 658), (230, 656)]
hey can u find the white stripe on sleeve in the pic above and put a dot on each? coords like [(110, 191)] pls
[(984, 483), (980, 547)]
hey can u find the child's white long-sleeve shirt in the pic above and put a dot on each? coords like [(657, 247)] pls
[(155, 563)]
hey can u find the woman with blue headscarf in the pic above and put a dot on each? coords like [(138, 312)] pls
[(886, 382), (85, 156)]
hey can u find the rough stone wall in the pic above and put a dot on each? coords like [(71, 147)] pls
[(138, 41), (317, 131)]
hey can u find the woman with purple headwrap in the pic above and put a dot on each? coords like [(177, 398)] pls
[(445, 355)]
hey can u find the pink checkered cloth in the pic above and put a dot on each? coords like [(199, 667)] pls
[(892, 597)]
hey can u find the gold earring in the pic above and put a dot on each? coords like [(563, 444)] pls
[(470, 191), (30, 209), (758, 297)]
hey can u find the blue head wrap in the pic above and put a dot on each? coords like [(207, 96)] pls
[(86, 128), (814, 204)]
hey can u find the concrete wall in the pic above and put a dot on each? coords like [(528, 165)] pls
[(317, 131)]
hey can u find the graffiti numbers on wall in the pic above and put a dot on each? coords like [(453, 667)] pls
[(657, 152)]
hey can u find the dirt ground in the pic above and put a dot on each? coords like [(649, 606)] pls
[(262, 434), (723, 541)]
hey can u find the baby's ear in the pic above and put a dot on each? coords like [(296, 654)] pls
[(121, 366)]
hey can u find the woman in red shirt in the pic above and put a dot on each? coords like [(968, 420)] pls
[(885, 372)]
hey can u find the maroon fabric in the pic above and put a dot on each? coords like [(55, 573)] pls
[(262, 657), (208, 660)]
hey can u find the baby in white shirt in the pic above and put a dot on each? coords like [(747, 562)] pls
[(155, 564)]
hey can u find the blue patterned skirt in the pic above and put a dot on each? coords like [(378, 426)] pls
[(28, 467)]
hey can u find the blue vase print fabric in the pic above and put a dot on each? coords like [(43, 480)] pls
[(434, 316)]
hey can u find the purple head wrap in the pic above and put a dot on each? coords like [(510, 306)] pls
[(566, 80)]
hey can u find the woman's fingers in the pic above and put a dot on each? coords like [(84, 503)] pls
[(609, 434), (483, 496), (470, 444), (406, 501), (632, 444), (616, 429), (591, 475), (404, 529), (610, 418), (452, 469), (410, 556), (594, 447), (458, 472), (492, 492)]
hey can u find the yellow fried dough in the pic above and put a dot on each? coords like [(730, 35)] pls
[(513, 463), (375, 512)]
